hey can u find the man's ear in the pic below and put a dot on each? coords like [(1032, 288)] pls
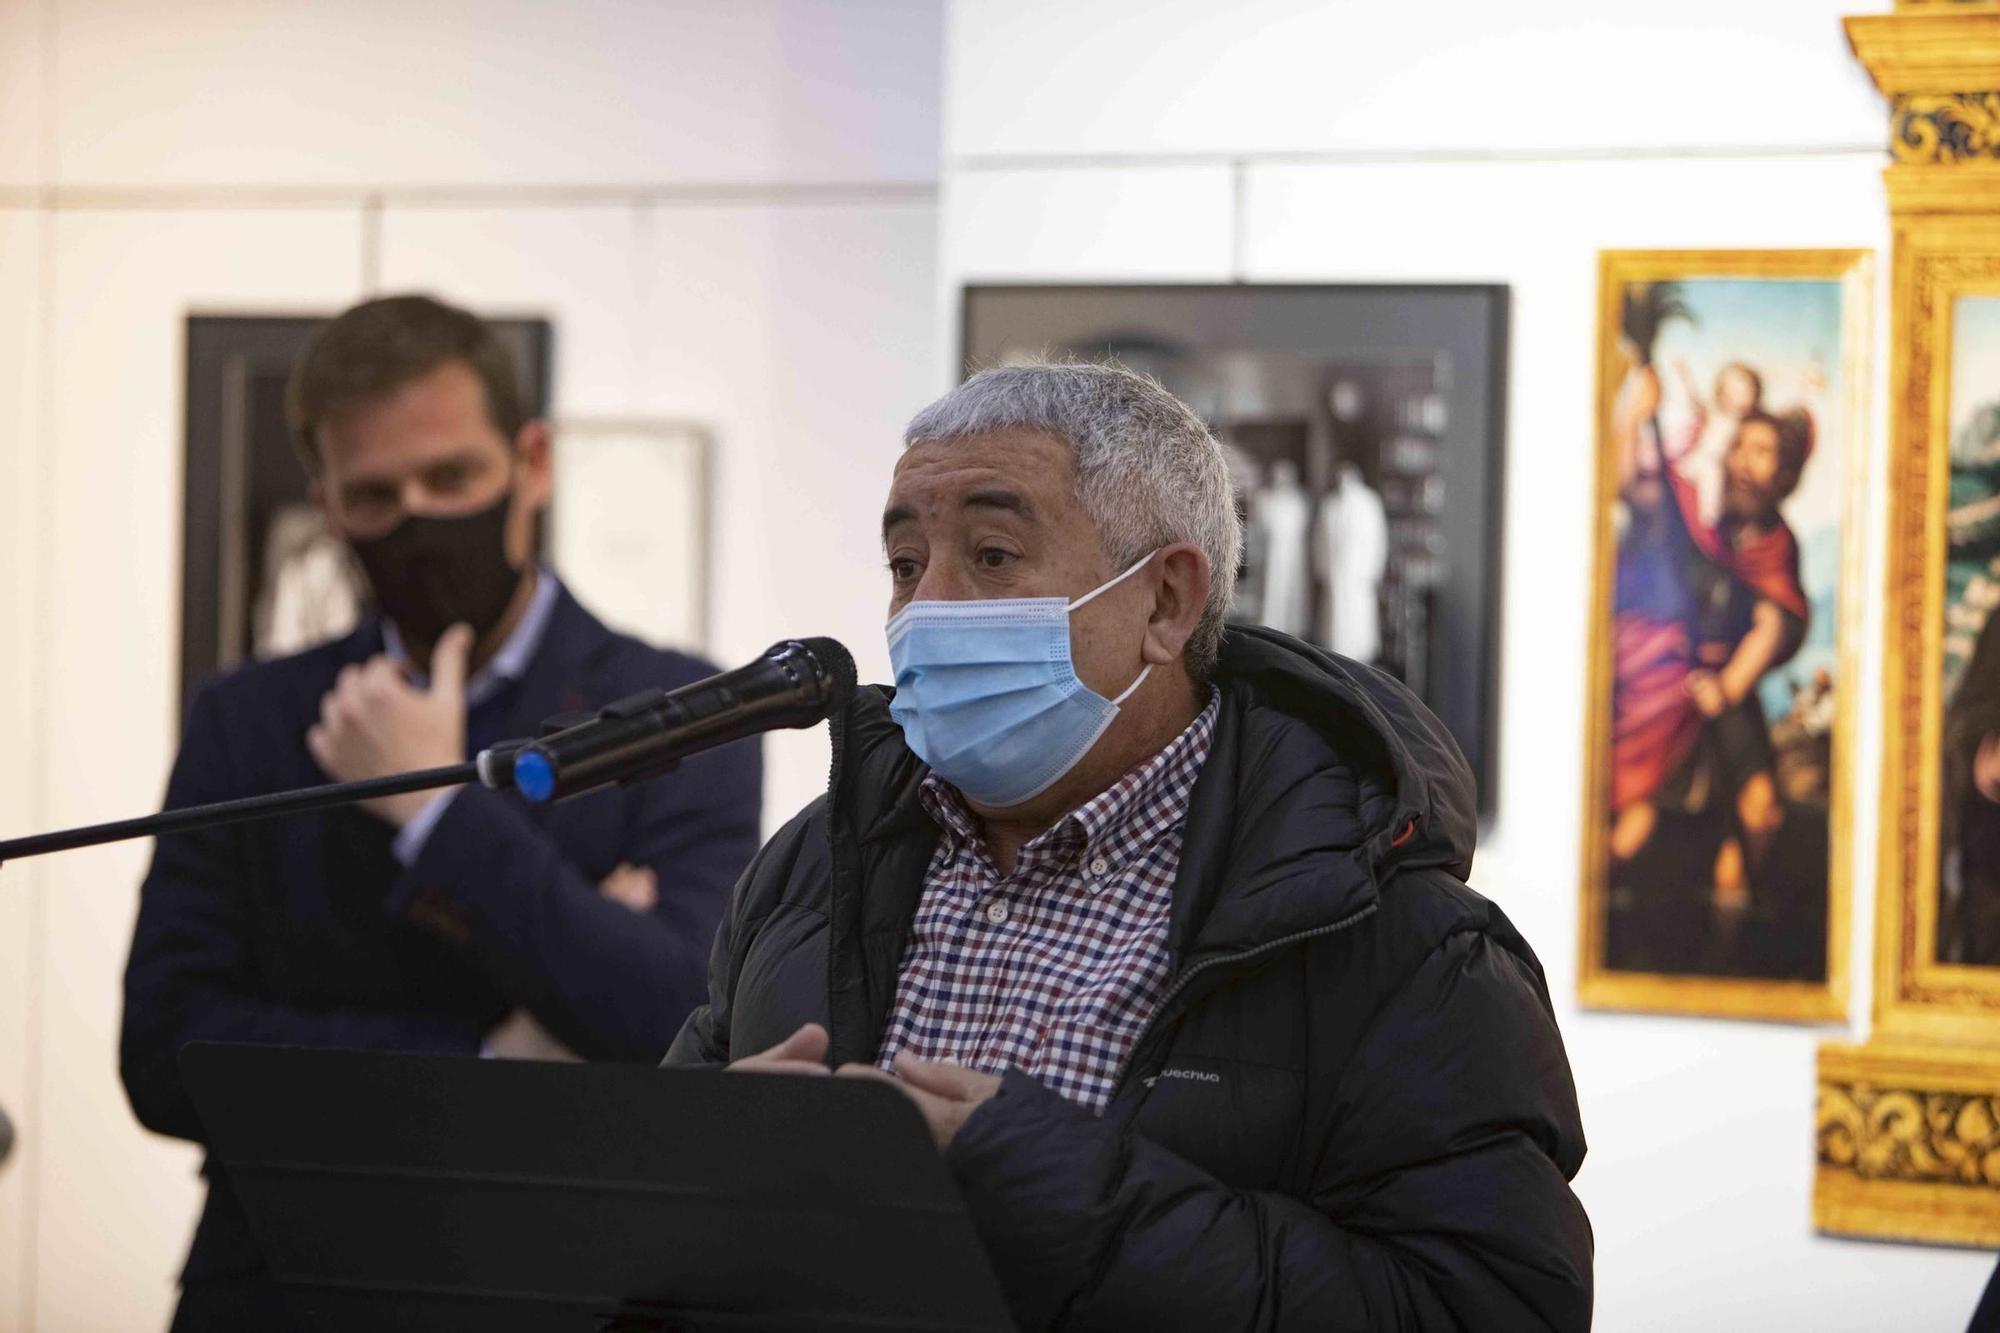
[(534, 451), (1178, 599)]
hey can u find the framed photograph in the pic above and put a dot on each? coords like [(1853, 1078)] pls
[(1731, 411), (629, 525), (1364, 428), (260, 574)]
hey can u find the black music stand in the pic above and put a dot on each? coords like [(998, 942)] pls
[(394, 1192)]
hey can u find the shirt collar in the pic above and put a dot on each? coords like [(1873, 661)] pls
[(511, 660), (1116, 822)]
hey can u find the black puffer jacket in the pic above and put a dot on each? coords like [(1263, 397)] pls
[(1353, 1110)]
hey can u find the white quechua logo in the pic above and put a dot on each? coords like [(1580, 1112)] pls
[(1188, 1075)]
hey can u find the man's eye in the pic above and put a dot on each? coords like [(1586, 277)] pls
[(902, 569), (992, 557)]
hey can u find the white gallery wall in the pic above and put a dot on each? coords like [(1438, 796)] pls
[(728, 211), (1355, 141)]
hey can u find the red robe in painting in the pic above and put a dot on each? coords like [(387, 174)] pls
[(1654, 724)]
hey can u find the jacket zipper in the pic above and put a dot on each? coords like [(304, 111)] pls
[(1181, 982)]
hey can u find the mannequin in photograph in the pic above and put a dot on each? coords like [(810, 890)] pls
[(1281, 515), (1353, 546), (310, 594)]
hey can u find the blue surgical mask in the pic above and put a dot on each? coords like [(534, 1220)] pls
[(987, 695)]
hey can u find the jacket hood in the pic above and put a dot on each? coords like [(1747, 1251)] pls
[(1324, 776), (1417, 766)]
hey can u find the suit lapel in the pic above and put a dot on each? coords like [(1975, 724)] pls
[(559, 678)]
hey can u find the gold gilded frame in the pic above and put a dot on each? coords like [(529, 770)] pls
[(1908, 1125), (1907, 1137), (1599, 986), (1939, 258)]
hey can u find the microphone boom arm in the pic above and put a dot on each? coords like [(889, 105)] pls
[(795, 684), (189, 818)]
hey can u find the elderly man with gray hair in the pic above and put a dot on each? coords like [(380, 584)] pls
[(1161, 924)]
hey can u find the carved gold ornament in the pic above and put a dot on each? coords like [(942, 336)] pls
[(1898, 1134), (1934, 130)]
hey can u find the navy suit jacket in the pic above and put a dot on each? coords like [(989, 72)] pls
[(306, 931)]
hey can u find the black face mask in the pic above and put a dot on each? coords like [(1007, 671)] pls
[(429, 574)]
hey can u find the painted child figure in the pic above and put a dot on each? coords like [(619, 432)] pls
[(1698, 448)]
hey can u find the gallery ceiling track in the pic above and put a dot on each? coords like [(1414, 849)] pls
[(1392, 157), (693, 194)]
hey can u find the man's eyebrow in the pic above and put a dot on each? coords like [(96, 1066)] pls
[(1011, 501), (896, 515)]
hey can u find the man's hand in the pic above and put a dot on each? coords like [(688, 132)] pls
[(1645, 400), (637, 887), (946, 1093), (1705, 688), (804, 1052), (1986, 767), (521, 1037), (374, 723)]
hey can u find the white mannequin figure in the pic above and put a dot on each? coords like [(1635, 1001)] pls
[(309, 593), (1354, 544), (1282, 515)]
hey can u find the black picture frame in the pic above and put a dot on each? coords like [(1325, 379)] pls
[(240, 464), (1460, 331)]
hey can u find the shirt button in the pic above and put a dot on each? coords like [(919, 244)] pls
[(997, 913), (1099, 867)]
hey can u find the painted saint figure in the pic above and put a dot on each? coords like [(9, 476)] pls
[(1969, 879), (1705, 605), (1972, 807)]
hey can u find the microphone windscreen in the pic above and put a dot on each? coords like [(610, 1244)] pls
[(838, 664)]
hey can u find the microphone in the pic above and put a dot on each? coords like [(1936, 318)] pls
[(797, 683)]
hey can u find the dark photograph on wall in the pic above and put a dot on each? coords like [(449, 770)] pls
[(1363, 426), (261, 576)]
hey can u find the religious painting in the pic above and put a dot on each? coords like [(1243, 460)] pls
[(1906, 1124), (1941, 832), (1969, 689), (1363, 431), (1715, 874)]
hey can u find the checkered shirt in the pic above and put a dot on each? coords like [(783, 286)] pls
[(1057, 968)]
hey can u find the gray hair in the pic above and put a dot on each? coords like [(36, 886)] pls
[(1148, 472)]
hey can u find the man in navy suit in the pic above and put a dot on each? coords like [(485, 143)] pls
[(467, 921)]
